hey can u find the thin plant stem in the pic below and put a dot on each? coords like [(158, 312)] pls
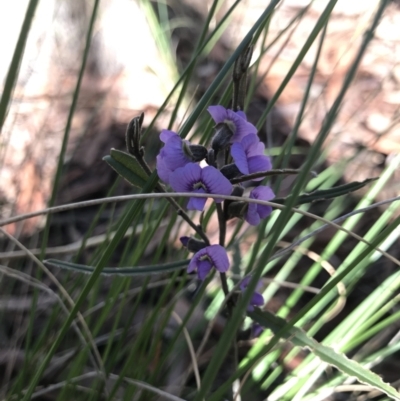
[(13, 70)]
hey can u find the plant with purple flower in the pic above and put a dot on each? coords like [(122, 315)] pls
[(231, 126), (176, 153), (249, 157), (235, 140), (257, 299), (255, 212), (207, 180), (213, 256), (256, 330)]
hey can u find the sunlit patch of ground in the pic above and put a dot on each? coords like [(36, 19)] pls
[(368, 124), (126, 73)]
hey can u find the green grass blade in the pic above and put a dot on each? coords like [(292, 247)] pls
[(201, 105), (131, 215), (326, 354), (331, 193), (119, 271), (13, 70)]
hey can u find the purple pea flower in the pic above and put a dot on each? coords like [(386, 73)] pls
[(207, 258), (235, 121), (257, 299), (249, 157), (256, 330), (176, 153), (255, 212), (193, 178)]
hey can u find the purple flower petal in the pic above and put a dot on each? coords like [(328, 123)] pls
[(242, 114), (183, 178), (252, 145), (192, 178), (184, 240), (197, 203), (173, 153), (192, 264), (213, 256), (219, 257), (166, 135), (257, 299), (262, 192), (162, 170), (249, 157), (172, 156), (215, 182), (257, 164), (218, 113), (203, 268), (239, 156), (256, 330), (241, 126), (244, 283), (257, 212), (252, 217)]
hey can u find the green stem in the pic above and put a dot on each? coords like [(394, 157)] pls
[(12, 74)]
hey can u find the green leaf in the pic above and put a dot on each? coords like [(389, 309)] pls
[(340, 361), (13, 70), (325, 194), (121, 271), (127, 167)]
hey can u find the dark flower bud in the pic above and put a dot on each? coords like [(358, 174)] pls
[(198, 152), (192, 244), (132, 136), (211, 157), (184, 240), (237, 191), (223, 134), (230, 171), (236, 209)]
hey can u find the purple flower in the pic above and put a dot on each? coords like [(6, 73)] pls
[(255, 212), (193, 178), (249, 157), (176, 153), (236, 122), (256, 330), (257, 299), (207, 258)]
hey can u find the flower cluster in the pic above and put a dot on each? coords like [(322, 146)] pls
[(178, 165), (177, 162)]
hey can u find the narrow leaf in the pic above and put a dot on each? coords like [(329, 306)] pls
[(13, 70), (127, 167), (120, 271), (325, 194), (130, 162), (348, 366)]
